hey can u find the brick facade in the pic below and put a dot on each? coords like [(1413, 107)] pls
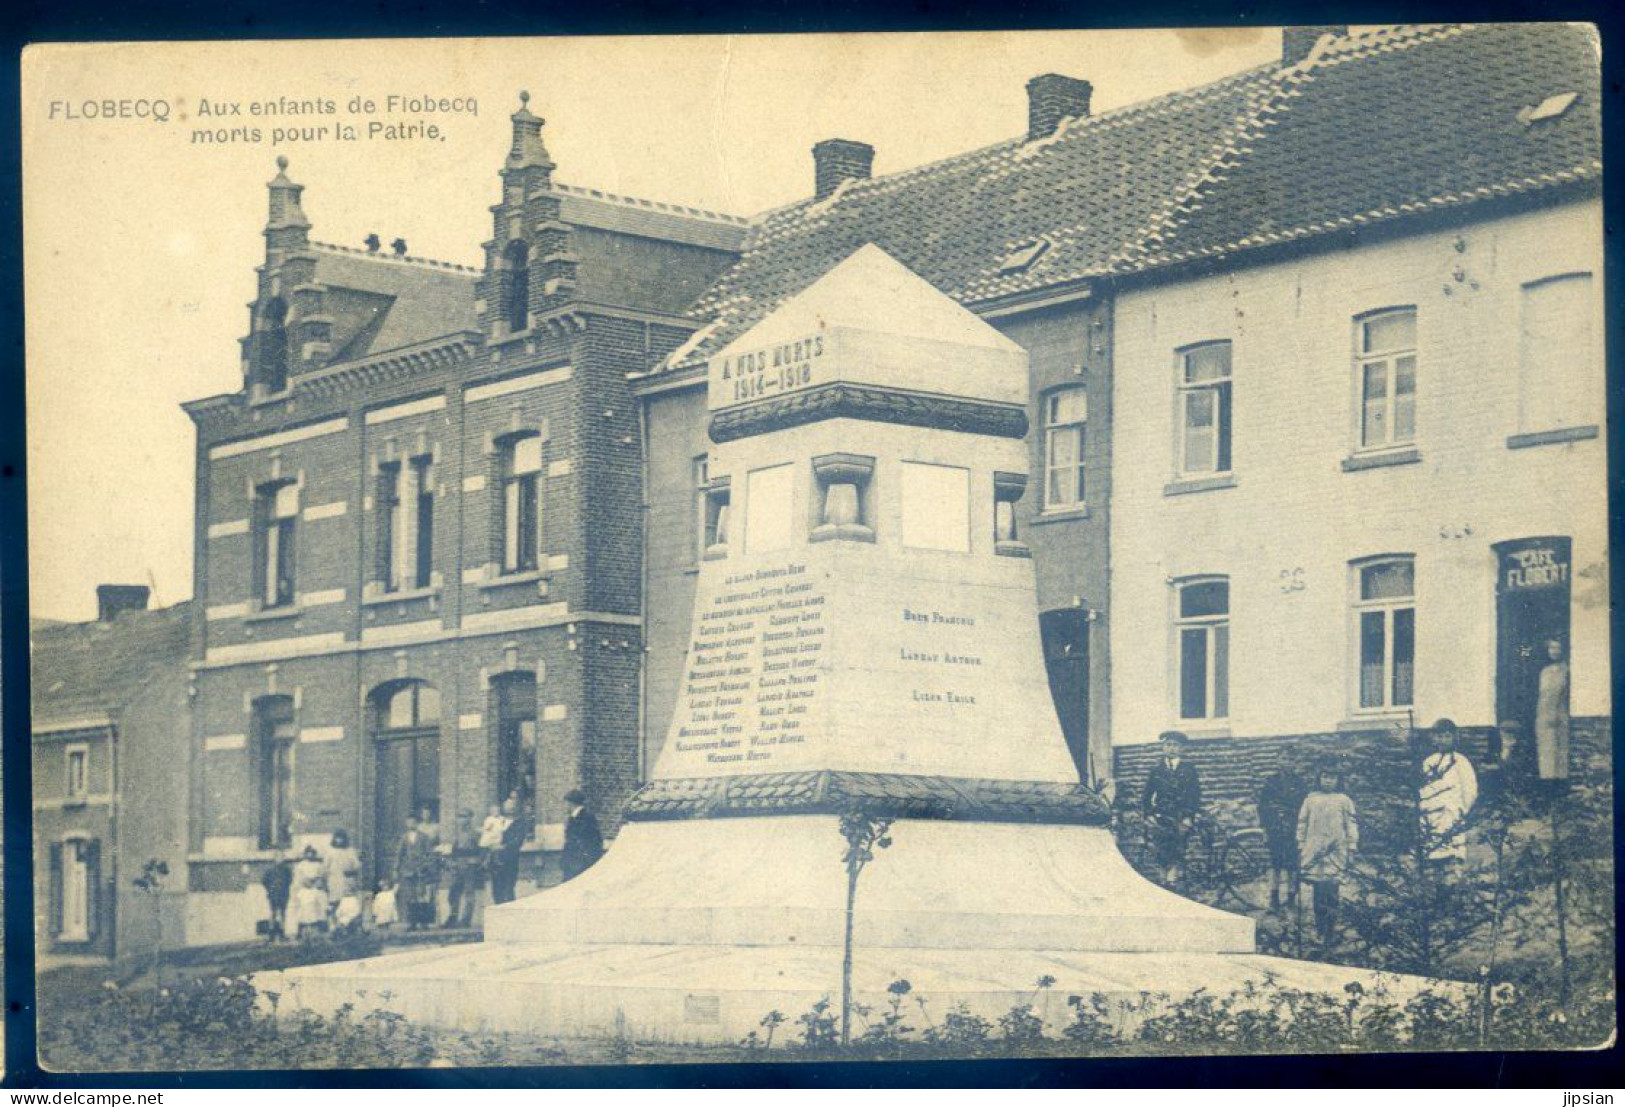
[(395, 363)]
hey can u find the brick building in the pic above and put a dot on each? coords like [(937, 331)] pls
[(109, 727), (418, 529), (1210, 273)]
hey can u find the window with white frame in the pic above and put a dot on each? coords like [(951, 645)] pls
[(1202, 626), (406, 523), (77, 772), (274, 741), (75, 881), (1385, 359), (704, 531), (1204, 409), (521, 502), (1066, 424), (1385, 632), (276, 511), (1556, 374)]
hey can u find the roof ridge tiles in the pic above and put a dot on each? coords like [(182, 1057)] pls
[(395, 259), (681, 210)]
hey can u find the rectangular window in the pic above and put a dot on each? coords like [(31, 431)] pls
[(1386, 373), (423, 521), (1204, 403), (77, 876), (1556, 374), (77, 772), (391, 527), (276, 511), (1066, 415), (769, 495), (936, 507), (274, 738), (704, 532), (1203, 625), (521, 503), (1385, 613)]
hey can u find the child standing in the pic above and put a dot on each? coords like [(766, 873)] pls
[(384, 912), (1328, 835)]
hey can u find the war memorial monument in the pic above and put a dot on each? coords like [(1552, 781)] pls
[(863, 641)]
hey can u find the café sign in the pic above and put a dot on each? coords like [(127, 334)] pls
[(1535, 566)]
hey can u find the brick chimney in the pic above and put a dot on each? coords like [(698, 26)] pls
[(112, 600), (1052, 98), (840, 159), (1297, 42)]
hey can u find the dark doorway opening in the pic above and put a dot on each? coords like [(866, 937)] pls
[(1532, 633)]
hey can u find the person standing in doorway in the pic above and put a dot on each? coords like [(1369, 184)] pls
[(1171, 802), (1328, 833), (1446, 795), (1552, 714), (1279, 801), (583, 842)]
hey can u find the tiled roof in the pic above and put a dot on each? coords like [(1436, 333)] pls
[(1369, 127), (607, 211), (381, 302), (1391, 123), (89, 670)]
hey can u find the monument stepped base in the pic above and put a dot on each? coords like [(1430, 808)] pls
[(691, 931)]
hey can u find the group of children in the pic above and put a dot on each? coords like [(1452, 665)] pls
[(384, 910)]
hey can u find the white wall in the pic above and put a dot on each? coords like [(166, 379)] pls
[(1287, 530)]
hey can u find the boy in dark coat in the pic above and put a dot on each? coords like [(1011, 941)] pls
[(583, 843), (1172, 800), (278, 880), (1279, 801)]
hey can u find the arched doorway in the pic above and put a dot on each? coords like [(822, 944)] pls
[(406, 750)]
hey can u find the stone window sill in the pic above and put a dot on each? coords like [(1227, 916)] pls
[(1012, 549), (1385, 721), (1552, 437), (404, 595), (716, 553), (1409, 455), (1186, 485), (274, 614), (1060, 515), (529, 576)]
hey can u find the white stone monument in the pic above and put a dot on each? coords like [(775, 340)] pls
[(864, 639)]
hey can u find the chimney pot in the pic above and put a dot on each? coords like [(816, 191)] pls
[(399, 246), (1052, 98), (112, 600), (1298, 42), (374, 243), (840, 159)]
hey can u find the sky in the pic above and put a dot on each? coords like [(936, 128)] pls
[(140, 242)]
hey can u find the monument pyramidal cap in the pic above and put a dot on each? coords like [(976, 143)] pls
[(864, 641)]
